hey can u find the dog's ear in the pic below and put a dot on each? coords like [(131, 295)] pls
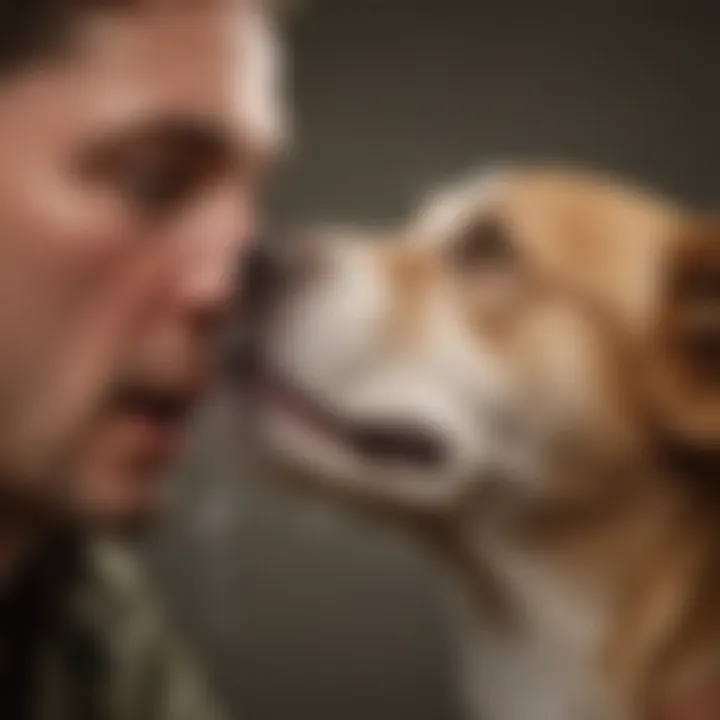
[(687, 351)]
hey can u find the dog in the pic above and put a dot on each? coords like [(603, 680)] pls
[(526, 379)]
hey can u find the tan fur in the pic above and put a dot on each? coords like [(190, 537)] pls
[(599, 322)]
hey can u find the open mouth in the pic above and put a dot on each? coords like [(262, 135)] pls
[(161, 407), (386, 441)]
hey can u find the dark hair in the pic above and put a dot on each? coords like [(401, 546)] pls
[(31, 29)]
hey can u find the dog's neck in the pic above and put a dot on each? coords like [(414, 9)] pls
[(622, 594)]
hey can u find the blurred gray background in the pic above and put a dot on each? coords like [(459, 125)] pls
[(301, 613)]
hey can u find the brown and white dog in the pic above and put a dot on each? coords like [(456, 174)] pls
[(527, 379)]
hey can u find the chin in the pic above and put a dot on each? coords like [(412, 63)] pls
[(129, 518), (121, 500)]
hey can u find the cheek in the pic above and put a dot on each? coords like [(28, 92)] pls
[(242, 218), (61, 265), (85, 239), (573, 380), (66, 241), (110, 485), (495, 305), (75, 282)]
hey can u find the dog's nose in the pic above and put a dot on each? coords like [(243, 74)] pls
[(262, 276), (274, 269)]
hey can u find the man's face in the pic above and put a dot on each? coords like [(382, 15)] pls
[(129, 177)]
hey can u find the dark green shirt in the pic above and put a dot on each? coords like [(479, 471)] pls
[(86, 641)]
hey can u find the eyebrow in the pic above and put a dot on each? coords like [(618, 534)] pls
[(196, 135), (203, 136)]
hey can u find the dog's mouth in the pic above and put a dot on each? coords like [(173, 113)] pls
[(387, 441)]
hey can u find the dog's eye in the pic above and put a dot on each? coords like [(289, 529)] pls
[(699, 321), (482, 244)]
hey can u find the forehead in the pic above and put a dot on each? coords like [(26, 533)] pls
[(217, 62)]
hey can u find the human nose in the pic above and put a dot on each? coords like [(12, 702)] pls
[(217, 239)]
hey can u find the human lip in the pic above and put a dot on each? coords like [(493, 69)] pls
[(155, 417)]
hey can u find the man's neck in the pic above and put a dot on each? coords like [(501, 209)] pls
[(20, 535)]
